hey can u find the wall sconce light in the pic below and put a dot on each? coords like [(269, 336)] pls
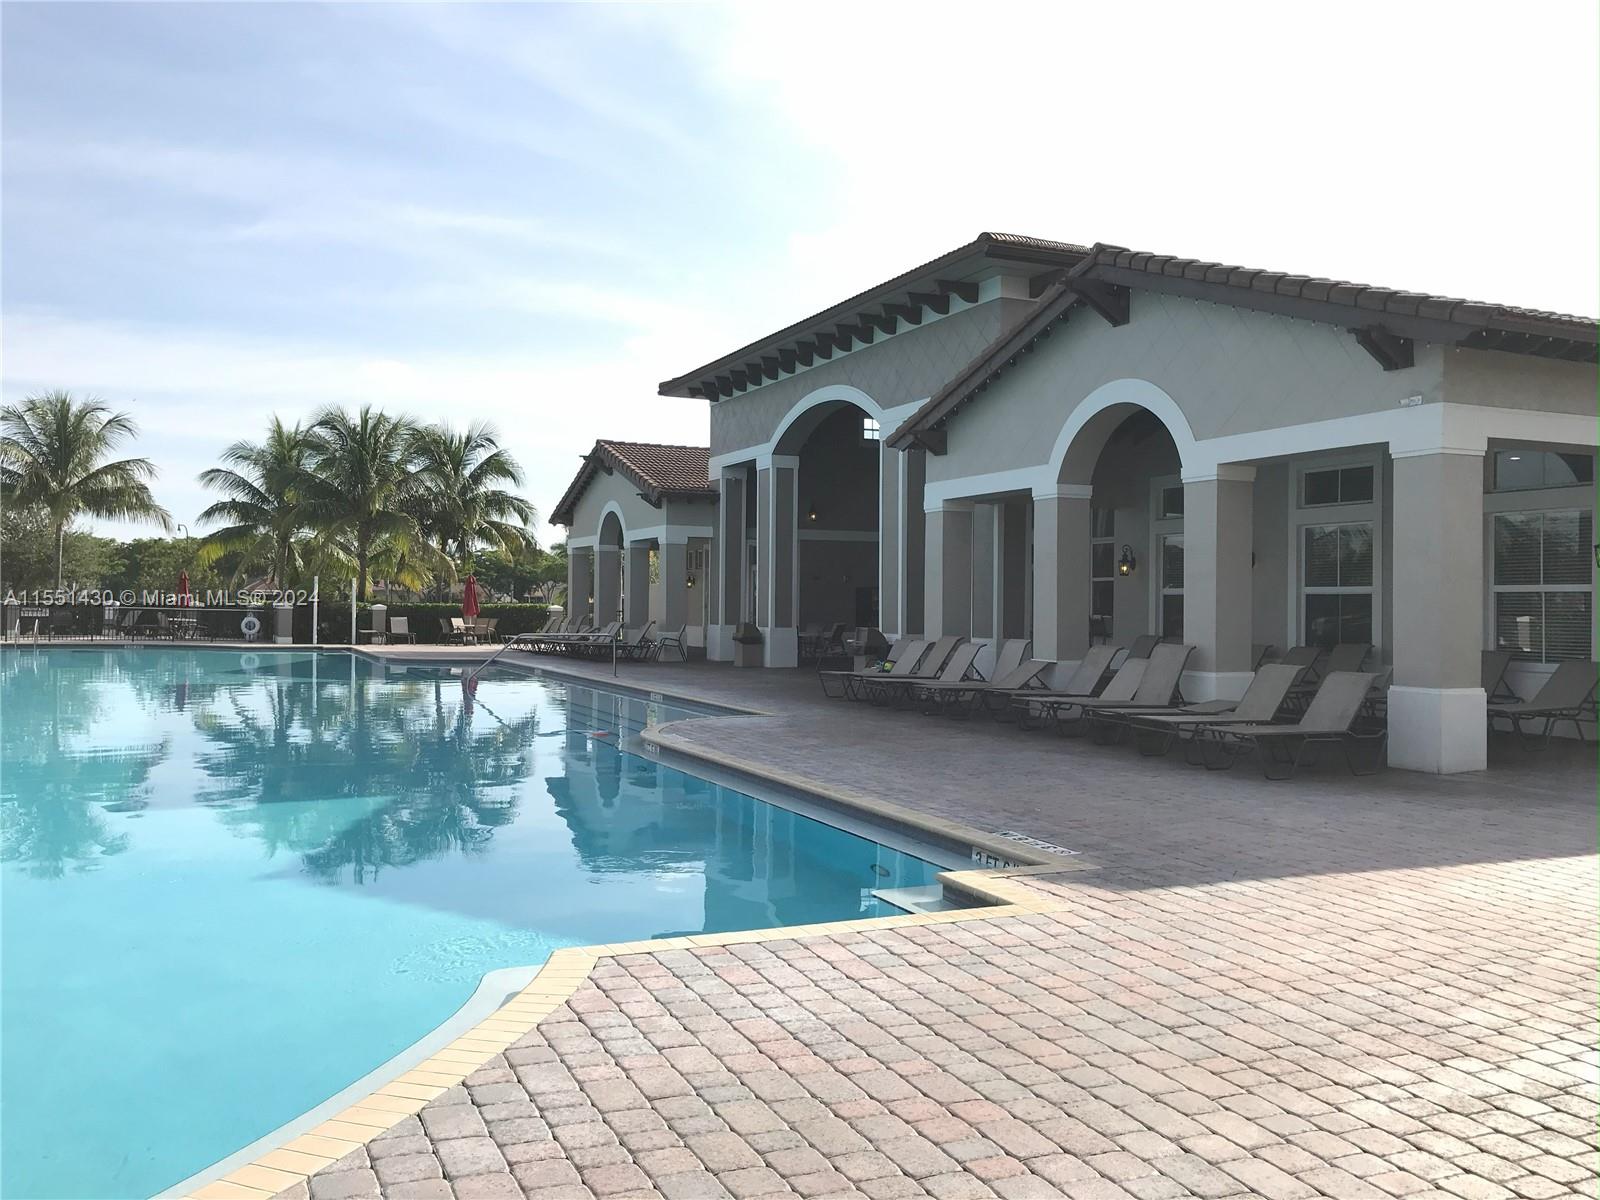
[(1127, 562), (812, 515), (689, 582)]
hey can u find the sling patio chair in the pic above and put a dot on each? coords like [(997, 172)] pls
[(1495, 664), (1154, 732), (671, 639), (903, 658), (889, 689), (634, 644), (400, 629), (966, 696), (1159, 687), (1568, 695), (1081, 685), (1330, 718)]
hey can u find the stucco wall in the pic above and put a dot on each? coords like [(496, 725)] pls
[(1498, 380), (1230, 371), (637, 513), (910, 366)]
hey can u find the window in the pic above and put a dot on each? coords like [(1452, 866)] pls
[(870, 430), (1524, 470), (1102, 570), (1172, 585), (1171, 502), (1336, 485), (1336, 583), (1543, 590)]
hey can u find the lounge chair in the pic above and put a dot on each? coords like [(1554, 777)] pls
[(673, 639), (902, 658), (963, 698), (1081, 685), (1259, 654), (932, 663), (1154, 732), (1568, 695), (1493, 675), (1330, 717), (1160, 683), (1141, 646), (886, 689)]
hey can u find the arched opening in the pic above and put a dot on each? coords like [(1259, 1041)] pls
[(609, 554), (837, 449)]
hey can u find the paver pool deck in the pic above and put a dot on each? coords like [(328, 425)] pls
[(1330, 987)]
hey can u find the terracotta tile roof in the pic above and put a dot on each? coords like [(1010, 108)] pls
[(658, 472)]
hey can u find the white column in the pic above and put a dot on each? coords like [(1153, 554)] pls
[(580, 580), (607, 583), (891, 541), (636, 577), (674, 571), (1437, 706), (1218, 532), (948, 556), (777, 562), (1061, 574), (727, 553)]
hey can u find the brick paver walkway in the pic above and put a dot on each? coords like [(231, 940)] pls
[(1340, 988)]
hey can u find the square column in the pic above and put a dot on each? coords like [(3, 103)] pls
[(891, 541), (674, 564), (636, 579), (607, 584), (580, 580), (727, 556), (947, 553), (777, 558), (1061, 572), (1437, 708), (914, 530), (1218, 535)]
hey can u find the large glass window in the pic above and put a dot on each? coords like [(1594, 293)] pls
[(1543, 589), (1102, 570), (1172, 586), (1336, 583), (1524, 470)]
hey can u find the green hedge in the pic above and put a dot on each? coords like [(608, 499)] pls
[(335, 619)]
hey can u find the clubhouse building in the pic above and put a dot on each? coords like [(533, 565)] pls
[(1027, 438)]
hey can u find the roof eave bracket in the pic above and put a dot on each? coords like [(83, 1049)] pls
[(934, 441), (1389, 350)]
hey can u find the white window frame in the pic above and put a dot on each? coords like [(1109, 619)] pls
[(1163, 527), (1536, 500), (1365, 512), (1111, 578)]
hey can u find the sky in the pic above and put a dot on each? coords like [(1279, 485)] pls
[(531, 214)]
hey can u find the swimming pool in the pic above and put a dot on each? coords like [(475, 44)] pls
[(232, 884)]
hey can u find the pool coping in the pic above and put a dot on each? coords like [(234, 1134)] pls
[(998, 885)]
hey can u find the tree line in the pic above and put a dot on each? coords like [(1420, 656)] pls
[(363, 494)]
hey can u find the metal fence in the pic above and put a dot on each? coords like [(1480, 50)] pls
[(127, 623)]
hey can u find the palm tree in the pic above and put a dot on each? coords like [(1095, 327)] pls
[(360, 480), (465, 508), (53, 452), (261, 483)]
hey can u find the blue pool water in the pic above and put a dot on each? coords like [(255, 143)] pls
[(231, 885)]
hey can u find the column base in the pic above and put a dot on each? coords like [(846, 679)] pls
[(719, 643), (1439, 730), (1215, 685), (780, 645)]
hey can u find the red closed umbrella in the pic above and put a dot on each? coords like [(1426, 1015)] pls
[(183, 588), (469, 598)]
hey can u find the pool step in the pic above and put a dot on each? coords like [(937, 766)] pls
[(928, 899)]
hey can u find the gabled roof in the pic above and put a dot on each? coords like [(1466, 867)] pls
[(1386, 322), (878, 309), (658, 472)]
